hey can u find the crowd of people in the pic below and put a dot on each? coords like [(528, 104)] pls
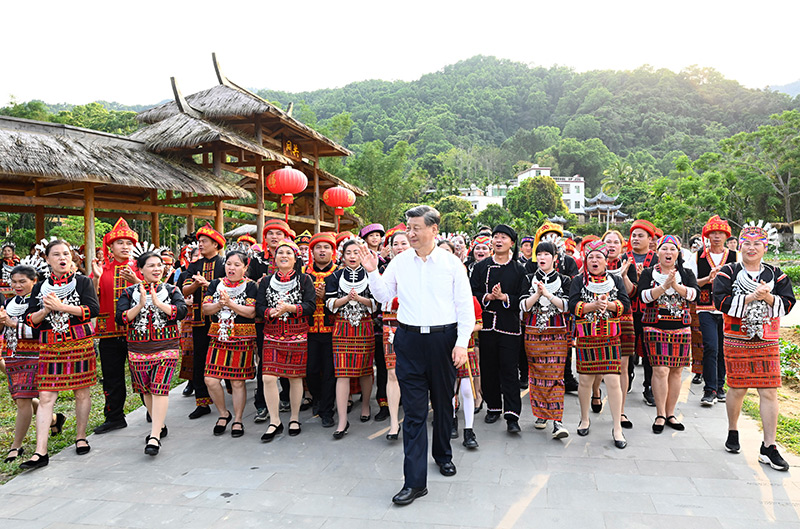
[(318, 320)]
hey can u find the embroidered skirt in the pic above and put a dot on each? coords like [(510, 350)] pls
[(353, 348), (596, 355), (668, 348), (285, 349), (187, 351), (231, 359), (67, 366), (628, 337), (752, 363), (697, 341), (472, 358), (547, 353), (22, 369), (152, 372), (389, 328)]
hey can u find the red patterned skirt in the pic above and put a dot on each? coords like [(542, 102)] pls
[(67, 366), (389, 328), (668, 348), (547, 354), (472, 357), (752, 363), (285, 349), (697, 341), (353, 348), (152, 372), (231, 359), (597, 355), (22, 369), (628, 337)]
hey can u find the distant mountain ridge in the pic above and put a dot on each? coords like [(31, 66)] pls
[(793, 89)]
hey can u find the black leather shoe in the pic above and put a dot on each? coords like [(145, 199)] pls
[(447, 469), (597, 403), (394, 436), (491, 417), (619, 444), (56, 428), (383, 414), (583, 432), (294, 431), (188, 390), (647, 395), (219, 429), (408, 495), (152, 450), (469, 439), (82, 450), (199, 412), (454, 428), (327, 422), (148, 418), (513, 427), (338, 434), (164, 433), (658, 428), (238, 432), (111, 425), (269, 436), (626, 423), (42, 461)]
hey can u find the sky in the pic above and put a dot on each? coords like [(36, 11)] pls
[(122, 51)]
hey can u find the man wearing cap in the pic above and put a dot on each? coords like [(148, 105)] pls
[(497, 282), (640, 256), (708, 261), (110, 279), (319, 368), (436, 317), (194, 282)]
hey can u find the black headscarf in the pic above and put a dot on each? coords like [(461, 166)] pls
[(508, 230)]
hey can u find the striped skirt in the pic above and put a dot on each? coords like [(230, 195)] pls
[(628, 337), (668, 348), (547, 354), (597, 355), (231, 360), (187, 351), (353, 348), (67, 366), (152, 372), (697, 341), (389, 328), (472, 358), (752, 363), (285, 349)]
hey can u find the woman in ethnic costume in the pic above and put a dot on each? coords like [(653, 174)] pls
[(189, 254), (285, 299), (544, 300), (399, 244), (7, 263), (152, 312), (753, 295), (597, 299), (231, 302), (61, 309), (348, 297), (22, 357), (667, 289), (618, 264)]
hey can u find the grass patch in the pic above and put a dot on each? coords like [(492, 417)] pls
[(788, 427)]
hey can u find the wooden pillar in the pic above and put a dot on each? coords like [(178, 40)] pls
[(88, 222), (317, 197), (189, 224), (219, 220), (260, 204), (39, 223), (154, 236)]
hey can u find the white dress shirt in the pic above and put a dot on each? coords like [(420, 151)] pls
[(435, 291)]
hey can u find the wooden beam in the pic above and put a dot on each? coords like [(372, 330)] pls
[(240, 209), (42, 201), (219, 219), (88, 223), (167, 210), (74, 212), (241, 172), (40, 191), (183, 199), (317, 196), (189, 224)]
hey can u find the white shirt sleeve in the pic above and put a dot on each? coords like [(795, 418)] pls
[(383, 287)]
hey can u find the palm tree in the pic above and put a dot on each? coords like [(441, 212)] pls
[(616, 177)]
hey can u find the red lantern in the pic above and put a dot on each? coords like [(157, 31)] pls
[(287, 182), (338, 198)]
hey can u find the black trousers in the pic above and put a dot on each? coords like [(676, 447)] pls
[(522, 362), (638, 329), (113, 355), (381, 375), (499, 376), (425, 366), (319, 372), (259, 401), (200, 341)]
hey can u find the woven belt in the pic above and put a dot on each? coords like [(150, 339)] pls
[(427, 329)]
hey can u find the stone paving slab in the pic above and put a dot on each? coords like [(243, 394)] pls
[(676, 479)]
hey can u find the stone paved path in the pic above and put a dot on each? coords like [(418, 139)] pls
[(675, 480)]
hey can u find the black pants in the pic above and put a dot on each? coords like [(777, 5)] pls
[(319, 373), (522, 362), (425, 365), (381, 375), (200, 342), (499, 375), (113, 355), (259, 401), (638, 329)]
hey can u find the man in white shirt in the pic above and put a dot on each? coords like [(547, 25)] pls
[(436, 317)]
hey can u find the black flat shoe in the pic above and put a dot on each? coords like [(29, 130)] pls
[(408, 494), (152, 450), (269, 436), (219, 429), (365, 418), (82, 450), (327, 422), (148, 418), (199, 412), (305, 404), (394, 436), (110, 425), (675, 425), (19, 452), (349, 405), (491, 417), (164, 433), (55, 429), (238, 432), (338, 434), (619, 444), (188, 390), (30, 464), (583, 432), (293, 432), (626, 423), (469, 439), (658, 428), (513, 427), (597, 408), (447, 469)]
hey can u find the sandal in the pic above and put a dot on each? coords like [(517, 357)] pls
[(219, 429), (56, 427), (237, 432), (19, 451), (294, 431)]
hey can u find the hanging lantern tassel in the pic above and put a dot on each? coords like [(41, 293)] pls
[(338, 198), (287, 182)]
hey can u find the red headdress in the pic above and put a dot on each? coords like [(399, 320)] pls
[(278, 224), (247, 238), (323, 236), (121, 230), (212, 234), (715, 223)]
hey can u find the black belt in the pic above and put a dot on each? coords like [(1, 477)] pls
[(427, 329)]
